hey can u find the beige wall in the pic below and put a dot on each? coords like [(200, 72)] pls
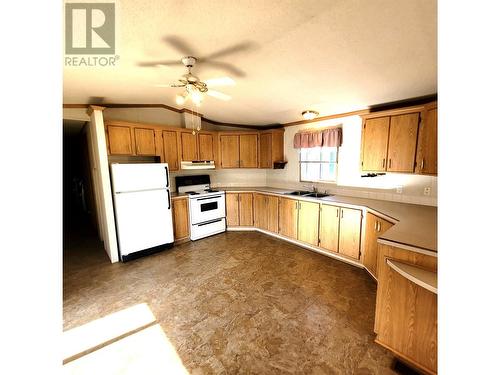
[(349, 180)]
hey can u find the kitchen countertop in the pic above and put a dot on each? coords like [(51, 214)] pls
[(415, 225)]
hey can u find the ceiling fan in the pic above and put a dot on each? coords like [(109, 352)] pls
[(195, 88)]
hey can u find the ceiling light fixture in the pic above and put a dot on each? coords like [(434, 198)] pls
[(309, 115)]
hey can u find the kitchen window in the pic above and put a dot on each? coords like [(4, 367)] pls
[(318, 164)]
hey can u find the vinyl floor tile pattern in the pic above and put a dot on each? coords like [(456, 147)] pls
[(238, 303)]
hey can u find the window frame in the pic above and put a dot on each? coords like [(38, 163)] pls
[(336, 162)]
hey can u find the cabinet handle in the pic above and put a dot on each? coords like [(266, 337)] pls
[(390, 162), (376, 226), (383, 163), (341, 214), (296, 205), (337, 212), (422, 164)]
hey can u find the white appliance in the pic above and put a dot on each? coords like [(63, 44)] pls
[(143, 214), (207, 207)]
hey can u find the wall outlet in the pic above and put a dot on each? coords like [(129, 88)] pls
[(427, 191), (399, 189)]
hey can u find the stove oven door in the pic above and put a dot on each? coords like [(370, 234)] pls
[(207, 208)]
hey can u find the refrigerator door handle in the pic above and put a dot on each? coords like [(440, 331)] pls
[(168, 179), (168, 192)]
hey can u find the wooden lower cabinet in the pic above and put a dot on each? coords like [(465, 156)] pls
[(239, 209), (308, 222), (350, 232), (329, 228), (266, 212), (406, 313), (232, 211), (288, 210), (180, 217), (375, 226)]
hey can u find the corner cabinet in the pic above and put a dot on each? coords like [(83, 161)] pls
[(239, 150), (239, 209), (401, 140), (271, 147)]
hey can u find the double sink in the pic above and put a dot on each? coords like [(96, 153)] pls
[(304, 193)]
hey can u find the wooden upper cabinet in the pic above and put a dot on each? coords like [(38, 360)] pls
[(308, 222), (375, 140), (232, 210), (375, 226), (402, 143), (427, 143), (144, 141), (266, 141), (206, 146), (230, 151), (248, 151), (180, 215), (189, 146), (350, 232), (288, 209), (271, 147), (119, 140), (329, 228), (170, 150), (245, 208)]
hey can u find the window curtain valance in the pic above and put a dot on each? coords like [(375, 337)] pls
[(319, 138)]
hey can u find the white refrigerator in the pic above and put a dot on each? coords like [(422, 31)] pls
[(143, 210)]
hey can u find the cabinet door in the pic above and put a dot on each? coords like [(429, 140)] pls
[(206, 145), (119, 140), (144, 141), (246, 209), (375, 226), (402, 143), (375, 138), (248, 151), (266, 150), (272, 212), (427, 144), (230, 151), (180, 216), (349, 232), (260, 214), (308, 222), (170, 150), (288, 209), (329, 228), (189, 146), (232, 212)]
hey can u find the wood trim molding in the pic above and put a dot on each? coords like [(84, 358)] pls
[(329, 117)]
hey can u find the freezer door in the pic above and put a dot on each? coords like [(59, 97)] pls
[(143, 176), (143, 220)]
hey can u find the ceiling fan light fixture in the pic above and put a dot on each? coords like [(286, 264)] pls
[(309, 114), (196, 97)]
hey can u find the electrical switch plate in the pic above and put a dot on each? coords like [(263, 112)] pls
[(399, 189), (427, 191)]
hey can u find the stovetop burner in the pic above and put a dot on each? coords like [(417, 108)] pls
[(211, 191)]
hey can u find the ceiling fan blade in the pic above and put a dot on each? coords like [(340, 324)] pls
[(226, 66), (218, 95), (162, 62), (180, 45), (240, 47), (220, 81)]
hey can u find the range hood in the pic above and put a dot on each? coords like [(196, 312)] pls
[(198, 164)]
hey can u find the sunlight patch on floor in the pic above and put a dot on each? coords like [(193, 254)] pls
[(139, 347)]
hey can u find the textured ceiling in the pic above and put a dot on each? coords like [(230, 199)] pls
[(332, 56)]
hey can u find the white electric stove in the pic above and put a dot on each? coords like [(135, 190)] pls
[(207, 206)]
